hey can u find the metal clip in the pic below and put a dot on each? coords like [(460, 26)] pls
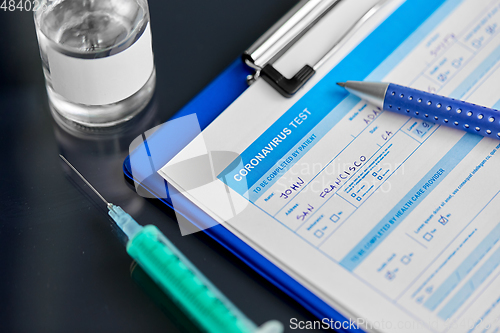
[(282, 35)]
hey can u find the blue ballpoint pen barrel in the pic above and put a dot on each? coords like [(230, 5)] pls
[(442, 110)]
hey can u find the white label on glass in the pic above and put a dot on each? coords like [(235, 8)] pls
[(104, 80)]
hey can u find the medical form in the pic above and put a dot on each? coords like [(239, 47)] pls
[(393, 221)]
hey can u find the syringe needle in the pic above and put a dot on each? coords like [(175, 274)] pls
[(124, 221), (85, 180)]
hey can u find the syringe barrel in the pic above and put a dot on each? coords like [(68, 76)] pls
[(175, 274)]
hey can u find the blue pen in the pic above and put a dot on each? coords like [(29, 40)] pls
[(441, 110)]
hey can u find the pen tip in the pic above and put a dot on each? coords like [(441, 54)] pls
[(342, 84)]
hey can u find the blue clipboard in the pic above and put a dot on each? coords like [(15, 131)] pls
[(210, 103), (207, 105)]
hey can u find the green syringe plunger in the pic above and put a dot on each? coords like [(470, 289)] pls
[(179, 278)]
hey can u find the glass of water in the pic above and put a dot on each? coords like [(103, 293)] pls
[(97, 58)]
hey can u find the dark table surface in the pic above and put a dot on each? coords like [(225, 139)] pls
[(63, 265)]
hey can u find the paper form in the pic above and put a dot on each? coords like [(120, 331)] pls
[(393, 221)]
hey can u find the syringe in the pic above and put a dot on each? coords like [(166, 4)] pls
[(179, 278)]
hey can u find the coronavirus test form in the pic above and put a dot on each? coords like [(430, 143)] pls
[(392, 221)]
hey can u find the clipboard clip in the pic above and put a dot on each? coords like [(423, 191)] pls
[(284, 33)]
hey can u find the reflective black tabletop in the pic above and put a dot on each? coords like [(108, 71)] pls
[(63, 264)]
